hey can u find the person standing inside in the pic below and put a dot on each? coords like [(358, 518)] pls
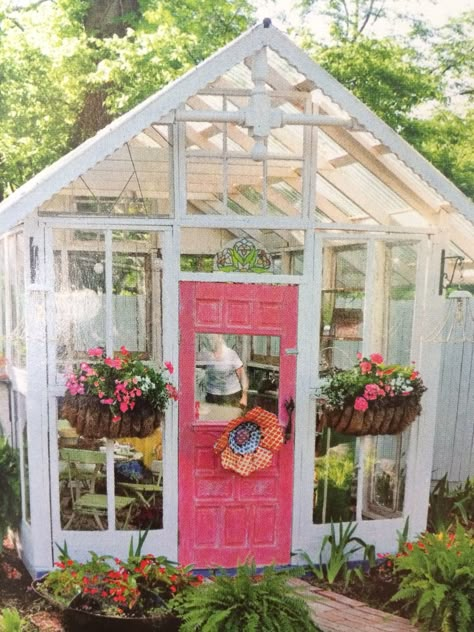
[(226, 379)]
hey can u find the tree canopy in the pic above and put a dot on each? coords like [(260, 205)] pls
[(68, 67)]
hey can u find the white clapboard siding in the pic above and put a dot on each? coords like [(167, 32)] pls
[(454, 441)]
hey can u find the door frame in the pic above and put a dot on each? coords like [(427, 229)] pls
[(292, 387)]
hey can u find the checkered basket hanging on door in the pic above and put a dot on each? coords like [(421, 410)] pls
[(248, 442)]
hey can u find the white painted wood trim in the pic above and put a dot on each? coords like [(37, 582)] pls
[(241, 277), (37, 410), (309, 309)]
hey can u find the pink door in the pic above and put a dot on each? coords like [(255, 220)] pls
[(224, 517)]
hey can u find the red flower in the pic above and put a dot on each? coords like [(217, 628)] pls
[(376, 358), (124, 351), (170, 367)]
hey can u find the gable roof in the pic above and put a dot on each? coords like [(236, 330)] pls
[(49, 181)]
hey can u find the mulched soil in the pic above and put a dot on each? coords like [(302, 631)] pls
[(15, 592), (376, 590)]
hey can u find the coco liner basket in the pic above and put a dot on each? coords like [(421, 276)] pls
[(93, 420), (390, 417)]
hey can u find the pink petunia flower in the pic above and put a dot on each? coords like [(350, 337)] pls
[(172, 392), (116, 418), (124, 351), (95, 351), (170, 367), (107, 400), (359, 355), (376, 358), (361, 404)]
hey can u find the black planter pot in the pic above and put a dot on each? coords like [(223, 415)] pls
[(77, 619)]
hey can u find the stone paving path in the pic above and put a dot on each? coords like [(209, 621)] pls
[(336, 613)]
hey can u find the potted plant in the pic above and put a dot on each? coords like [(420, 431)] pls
[(245, 602), (106, 593), (117, 397), (371, 398)]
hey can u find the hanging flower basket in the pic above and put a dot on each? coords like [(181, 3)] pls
[(93, 420), (371, 398), (386, 419), (116, 397)]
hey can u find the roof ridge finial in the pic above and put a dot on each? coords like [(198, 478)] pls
[(266, 22)]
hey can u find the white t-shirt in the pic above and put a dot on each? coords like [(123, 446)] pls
[(221, 373)]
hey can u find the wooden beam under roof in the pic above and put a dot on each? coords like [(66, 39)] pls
[(362, 154)]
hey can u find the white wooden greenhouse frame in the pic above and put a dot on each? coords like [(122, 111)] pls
[(256, 142)]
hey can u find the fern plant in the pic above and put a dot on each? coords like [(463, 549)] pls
[(10, 620), (437, 581), (10, 489), (245, 603)]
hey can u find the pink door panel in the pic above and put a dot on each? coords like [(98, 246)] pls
[(224, 517)]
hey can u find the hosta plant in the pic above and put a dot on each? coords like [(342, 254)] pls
[(437, 580), (245, 603)]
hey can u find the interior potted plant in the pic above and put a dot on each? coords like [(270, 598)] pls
[(106, 593), (117, 397), (371, 398)]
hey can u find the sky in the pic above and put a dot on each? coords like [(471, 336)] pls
[(435, 13)]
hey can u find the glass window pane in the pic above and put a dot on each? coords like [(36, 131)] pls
[(136, 279), (271, 251), (342, 317), (79, 260), (228, 378), (82, 480), (135, 180), (384, 476)]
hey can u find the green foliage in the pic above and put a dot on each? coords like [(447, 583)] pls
[(385, 75), (445, 139), (10, 620), (245, 603), (337, 566), (437, 580), (447, 505), (10, 488)]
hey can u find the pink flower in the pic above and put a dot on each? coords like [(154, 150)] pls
[(172, 392), (116, 418), (365, 367), (376, 358), (115, 363), (123, 407), (95, 351), (170, 367), (109, 401), (359, 355), (414, 375), (361, 404), (371, 392)]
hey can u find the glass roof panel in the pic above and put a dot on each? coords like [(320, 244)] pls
[(133, 180)]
